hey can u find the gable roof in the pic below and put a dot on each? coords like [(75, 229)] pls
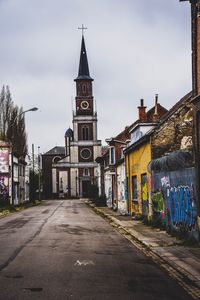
[(161, 110), (60, 150), (168, 114), (177, 105)]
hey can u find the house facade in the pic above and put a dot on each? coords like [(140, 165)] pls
[(115, 179), (50, 183), (14, 177), (137, 157)]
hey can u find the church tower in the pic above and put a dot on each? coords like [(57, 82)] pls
[(76, 172), (85, 146), (72, 170)]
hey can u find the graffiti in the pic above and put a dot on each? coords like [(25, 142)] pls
[(174, 202), (165, 181), (144, 191), (158, 205), (4, 160), (181, 207), (144, 195), (109, 197), (158, 202), (4, 193)]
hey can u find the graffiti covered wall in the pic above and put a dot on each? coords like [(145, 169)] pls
[(4, 160), (138, 179), (173, 199), (4, 189), (121, 189), (4, 174)]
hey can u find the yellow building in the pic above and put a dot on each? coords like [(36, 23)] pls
[(137, 157)]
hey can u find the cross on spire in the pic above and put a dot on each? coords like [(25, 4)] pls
[(82, 28)]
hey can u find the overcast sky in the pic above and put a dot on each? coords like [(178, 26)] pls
[(135, 48)]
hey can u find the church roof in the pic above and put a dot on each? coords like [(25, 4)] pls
[(83, 73), (69, 132), (56, 150)]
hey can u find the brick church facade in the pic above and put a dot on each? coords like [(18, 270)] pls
[(70, 171)]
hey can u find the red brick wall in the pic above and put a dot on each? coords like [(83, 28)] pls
[(142, 113), (91, 158), (80, 126)]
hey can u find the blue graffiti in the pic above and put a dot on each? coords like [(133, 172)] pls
[(181, 206)]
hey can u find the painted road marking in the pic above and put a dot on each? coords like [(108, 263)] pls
[(84, 263)]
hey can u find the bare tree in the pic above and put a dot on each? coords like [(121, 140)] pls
[(12, 124)]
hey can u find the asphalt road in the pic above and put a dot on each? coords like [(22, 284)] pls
[(63, 250)]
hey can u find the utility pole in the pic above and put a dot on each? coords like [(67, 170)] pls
[(33, 163), (39, 175), (33, 174)]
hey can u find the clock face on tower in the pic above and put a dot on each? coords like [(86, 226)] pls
[(84, 104)]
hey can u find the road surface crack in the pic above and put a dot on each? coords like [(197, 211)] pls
[(19, 249)]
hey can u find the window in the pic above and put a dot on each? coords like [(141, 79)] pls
[(86, 172), (112, 155), (20, 170), (134, 188), (86, 153), (85, 133), (56, 159), (84, 88), (122, 152)]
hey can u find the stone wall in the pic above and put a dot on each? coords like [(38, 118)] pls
[(174, 132)]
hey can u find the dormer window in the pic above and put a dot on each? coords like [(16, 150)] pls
[(136, 135)]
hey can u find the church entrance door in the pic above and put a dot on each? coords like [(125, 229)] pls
[(86, 187)]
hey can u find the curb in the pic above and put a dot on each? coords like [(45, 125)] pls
[(21, 208), (188, 281)]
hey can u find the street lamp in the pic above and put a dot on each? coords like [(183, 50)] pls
[(39, 175), (12, 163), (25, 111)]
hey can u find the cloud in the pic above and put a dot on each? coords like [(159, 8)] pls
[(135, 49)]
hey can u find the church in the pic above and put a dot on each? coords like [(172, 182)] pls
[(71, 171)]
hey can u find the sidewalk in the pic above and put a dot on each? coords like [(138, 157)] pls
[(10, 209), (181, 262)]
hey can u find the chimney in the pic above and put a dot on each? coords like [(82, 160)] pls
[(156, 115), (142, 111)]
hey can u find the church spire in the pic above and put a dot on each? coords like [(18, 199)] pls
[(83, 73)]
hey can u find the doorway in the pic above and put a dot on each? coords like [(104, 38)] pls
[(86, 188)]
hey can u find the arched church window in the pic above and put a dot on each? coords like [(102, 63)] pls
[(86, 172), (85, 133), (56, 159)]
